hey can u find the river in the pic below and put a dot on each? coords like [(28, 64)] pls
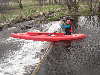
[(20, 57), (78, 58)]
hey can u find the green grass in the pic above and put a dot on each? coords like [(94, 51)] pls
[(84, 10), (28, 9), (31, 8), (56, 16)]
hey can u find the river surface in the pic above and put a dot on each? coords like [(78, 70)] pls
[(20, 57), (78, 57)]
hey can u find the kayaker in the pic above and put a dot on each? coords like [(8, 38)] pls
[(68, 27)]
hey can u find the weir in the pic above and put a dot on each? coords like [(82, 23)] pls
[(38, 66)]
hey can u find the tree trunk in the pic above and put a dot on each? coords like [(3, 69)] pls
[(69, 4), (87, 2), (95, 7), (42, 2), (55, 1), (52, 1), (65, 2), (49, 1), (99, 7), (78, 0), (90, 5), (59, 2), (74, 1), (21, 7)]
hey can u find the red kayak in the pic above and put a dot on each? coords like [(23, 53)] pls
[(44, 36)]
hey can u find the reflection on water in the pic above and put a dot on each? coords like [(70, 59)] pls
[(78, 58)]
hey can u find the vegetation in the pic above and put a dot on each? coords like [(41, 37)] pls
[(31, 7), (56, 16)]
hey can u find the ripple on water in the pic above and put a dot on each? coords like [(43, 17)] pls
[(81, 58)]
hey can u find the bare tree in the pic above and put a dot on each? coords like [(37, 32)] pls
[(95, 6), (21, 7), (99, 7), (69, 4), (90, 5), (49, 1), (55, 1), (88, 2), (72, 4), (42, 2), (52, 1), (59, 1)]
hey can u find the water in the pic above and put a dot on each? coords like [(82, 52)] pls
[(79, 57), (19, 56)]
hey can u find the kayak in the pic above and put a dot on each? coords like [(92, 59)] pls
[(44, 36)]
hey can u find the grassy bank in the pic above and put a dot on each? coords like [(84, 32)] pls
[(30, 8)]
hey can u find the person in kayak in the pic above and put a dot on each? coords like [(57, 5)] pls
[(68, 27)]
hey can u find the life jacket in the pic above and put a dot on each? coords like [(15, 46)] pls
[(69, 29)]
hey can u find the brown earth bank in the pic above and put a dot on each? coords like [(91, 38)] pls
[(33, 19)]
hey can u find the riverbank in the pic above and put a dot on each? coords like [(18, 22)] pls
[(39, 14)]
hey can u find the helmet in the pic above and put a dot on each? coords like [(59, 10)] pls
[(68, 21)]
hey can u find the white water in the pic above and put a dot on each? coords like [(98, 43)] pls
[(88, 22), (15, 62)]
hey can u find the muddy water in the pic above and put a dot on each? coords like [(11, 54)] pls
[(78, 58)]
